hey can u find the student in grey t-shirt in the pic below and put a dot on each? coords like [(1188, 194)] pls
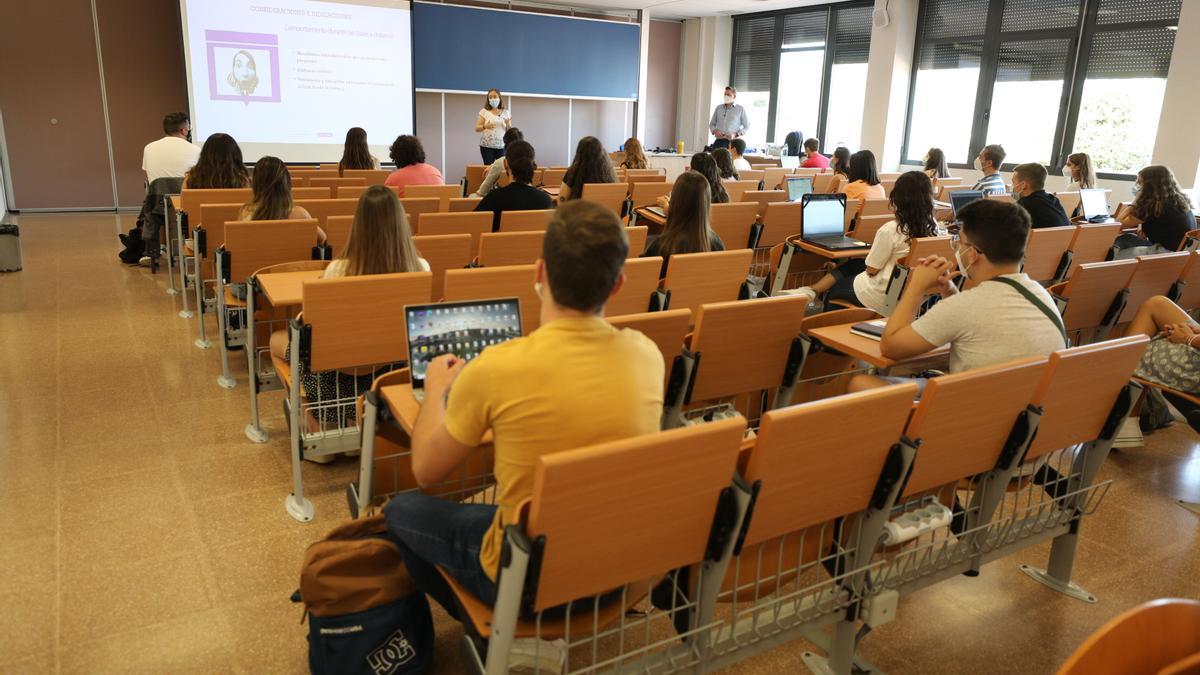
[(1002, 316)]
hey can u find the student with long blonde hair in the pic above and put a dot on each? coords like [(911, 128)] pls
[(635, 157), (380, 239)]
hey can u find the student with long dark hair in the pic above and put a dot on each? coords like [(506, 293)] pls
[(704, 164), (725, 167), (271, 197), (863, 177), (519, 194), (498, 167), (220, 165), (935, 164), (590, 165), (840, 161), (864, 281), (1161, 209), (687, 228), (357, 154)]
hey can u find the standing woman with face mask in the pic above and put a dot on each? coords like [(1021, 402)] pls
[(494, 119)]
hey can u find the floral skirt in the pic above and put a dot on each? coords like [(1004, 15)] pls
[(1172, 365)]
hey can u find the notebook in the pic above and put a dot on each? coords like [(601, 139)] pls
[(870, 329)]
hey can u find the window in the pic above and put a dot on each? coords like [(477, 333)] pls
[(1043, 78), (803, 70)]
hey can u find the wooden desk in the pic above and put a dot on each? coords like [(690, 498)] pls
[(404, 407), (286, 288), (176, 200), (841, 254), (864, 349), (644, 212)]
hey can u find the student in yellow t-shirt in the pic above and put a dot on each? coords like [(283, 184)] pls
[(573, 382)]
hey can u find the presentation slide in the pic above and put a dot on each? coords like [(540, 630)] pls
[(289, 77)]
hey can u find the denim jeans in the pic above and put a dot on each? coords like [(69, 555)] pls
[(433, 533)]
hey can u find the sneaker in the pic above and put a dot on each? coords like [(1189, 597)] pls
[(803, 290), (145, 260)]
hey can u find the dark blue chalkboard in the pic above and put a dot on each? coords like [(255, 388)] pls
[(472, 49)]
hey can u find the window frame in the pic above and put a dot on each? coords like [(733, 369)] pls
[(1070, 103), (776, 50)]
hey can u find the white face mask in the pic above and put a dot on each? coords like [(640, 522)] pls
[(978, 164), (494, 102), (962, 267), (728, 98)]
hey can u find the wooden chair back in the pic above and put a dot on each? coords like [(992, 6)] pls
[(443, 193), (743, 346), (655, 178), (312, 192), (328, 166), (359, 321), (611, 195), (583, 508), (948, 180), (923, 247), (1092, 243), (737, 188), (865, 227), (948, 189), (647, 193), (780, 221), (321, 209), (887, 186), (370, 176), (1078, 389), (964, 420), (444, 252), (335, 182), (553, 177), (474, 224), (300, 177), (1001, 198), (802, 482), (258, 244), (337, 233), (191, 199), (889, 175), (637, 240), (756, 175), (631, 173), (525, 221), (853, 206), (1154, 275), (213, 218), (1044, 251), (415, 207), (876, 207), (1091, 290), (734, 235), (733, 212), (773, 177), (763, 198), (1069, 200), (698, 278), (510, 248), (474, 176), (666, 329), (463, 204), (1161, 636), (356, 191), (1188, 289), (484, 283)]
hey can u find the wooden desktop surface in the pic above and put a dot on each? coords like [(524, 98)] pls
[(176, 200), (645, 212), (286, 288), (840, 338), (404, 407)]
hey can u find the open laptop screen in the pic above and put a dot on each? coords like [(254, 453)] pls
[(961, 198), (798, 186), (823, 216), (461, 328), (1095, 203), (789, 161)]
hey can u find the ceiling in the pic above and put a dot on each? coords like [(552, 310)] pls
[(684, 9)]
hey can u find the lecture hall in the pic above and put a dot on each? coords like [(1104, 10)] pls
[(558, 337)]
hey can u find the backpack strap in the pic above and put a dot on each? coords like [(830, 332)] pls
[(1050, 314)]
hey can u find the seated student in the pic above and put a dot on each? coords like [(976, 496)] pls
[(1029, 187), (935, 164), (1171, 360), (520, 194), (1162, 209), (864, 282), (635, 157), (863, 177), (687, 228), (989, 161), (1079, 169), (1002, 316), (357, 154), (737, 148), (271, 196), (839, 161), (813, 158), (169, 157), (496, 169), (704, 164), (591, 165), (380, 240), (573, 382), (411, 169), (725, 167)]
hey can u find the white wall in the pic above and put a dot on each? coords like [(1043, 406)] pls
[(1178, 142), (707, 48)]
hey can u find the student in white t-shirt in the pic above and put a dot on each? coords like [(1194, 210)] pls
[(737, 147), (172, 155), (864, 282), (1003, 315)]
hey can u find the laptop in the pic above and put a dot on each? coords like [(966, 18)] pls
[(798, 186), (789, 161), (1095, 205), (823, 222), (961, 198), (464, 329)]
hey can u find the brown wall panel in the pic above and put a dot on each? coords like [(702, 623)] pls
[(49, 70), (143, 71), (662, 83)]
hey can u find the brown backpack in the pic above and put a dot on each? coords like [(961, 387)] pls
[(354, 568)]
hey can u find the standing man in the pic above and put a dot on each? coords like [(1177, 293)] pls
[(171, 156), (728, 121)]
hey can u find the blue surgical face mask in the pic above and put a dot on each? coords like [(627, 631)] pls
[(495, 102), (1135, 189)]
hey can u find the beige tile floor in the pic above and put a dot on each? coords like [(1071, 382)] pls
[(141, 532)]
